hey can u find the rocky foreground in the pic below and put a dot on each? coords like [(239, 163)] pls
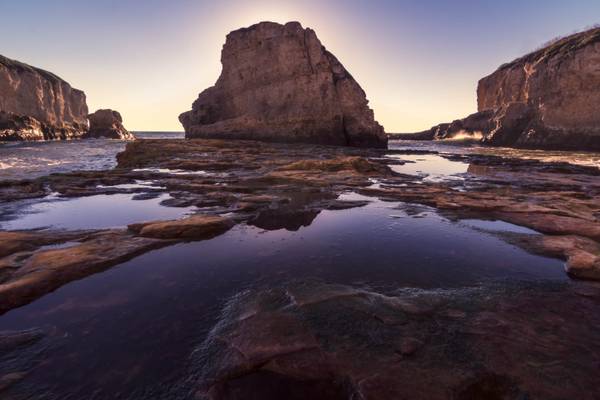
[(317, 340), (280, 84), (311, 340), (276, 186), (547, 99)]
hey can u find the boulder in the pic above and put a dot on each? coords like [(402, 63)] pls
[(107, 124), (196, 227), (279, 83), (548, 99), (38, 105)]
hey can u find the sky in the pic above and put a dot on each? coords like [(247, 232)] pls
[(418, 60)]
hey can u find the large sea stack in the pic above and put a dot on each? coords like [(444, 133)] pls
[(548, 99), (38, 105), (108, 124), (279, 83)]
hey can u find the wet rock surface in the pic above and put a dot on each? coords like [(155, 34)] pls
[(339, 342), (280, 84), (277, 186)]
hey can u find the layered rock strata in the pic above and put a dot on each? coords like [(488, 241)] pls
[(38, 105)]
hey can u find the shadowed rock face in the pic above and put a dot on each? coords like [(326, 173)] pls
[(107, 124), (38, 105), (279, 83), (547, 99)]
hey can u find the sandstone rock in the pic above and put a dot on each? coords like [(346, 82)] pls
[(582, 254), (107, 124), (40, 272), (38, 105), (194, 227), (357, 164), (547, 99), (280, 84)]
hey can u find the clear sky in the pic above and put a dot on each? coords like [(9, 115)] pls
[(418, 60)]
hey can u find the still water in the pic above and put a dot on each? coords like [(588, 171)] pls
[(131, 330)]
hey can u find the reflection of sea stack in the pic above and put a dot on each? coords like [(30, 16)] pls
[(279, 83), (548, 99)]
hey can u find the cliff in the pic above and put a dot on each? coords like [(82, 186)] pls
[(38, 105), (279, 83), (548, 99)]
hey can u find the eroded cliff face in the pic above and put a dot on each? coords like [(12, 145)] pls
[(548, 99), (38, 105), (279, 83)]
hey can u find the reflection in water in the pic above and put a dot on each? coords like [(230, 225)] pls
[(284, 218), (93, 212), (170, 171), (498, 226), (130, 331), (431, 166)]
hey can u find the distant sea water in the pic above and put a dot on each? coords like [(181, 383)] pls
[(25, 160)]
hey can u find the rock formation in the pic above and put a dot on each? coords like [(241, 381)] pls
[(38, 105), (279, 83), (548, 99), (107, 124)]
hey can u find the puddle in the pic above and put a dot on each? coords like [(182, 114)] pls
[(169, 171), (93, 212), (431, 167), (497, 226), (136, 185)]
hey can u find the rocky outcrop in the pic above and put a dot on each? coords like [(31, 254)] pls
[(107, 124), (38, 105), (279, 83), (311, 340), (548, 99)]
